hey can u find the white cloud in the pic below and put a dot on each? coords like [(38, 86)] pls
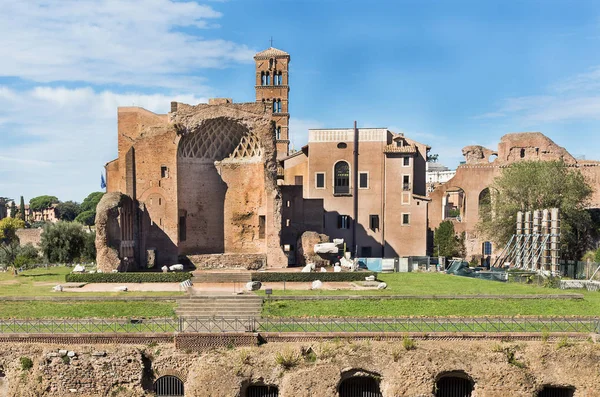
[(533, 110), (131, 42), (57, 140), (299, 131)]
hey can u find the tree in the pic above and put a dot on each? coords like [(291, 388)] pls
[(68, 210), (13, 210), (446, 242), (87, 218), (42, 202), (91, 201), (22, 209), (538, 185), (63, 242), (597, 256), (9, 241)]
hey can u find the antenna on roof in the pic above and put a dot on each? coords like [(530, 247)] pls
[(271, 41)]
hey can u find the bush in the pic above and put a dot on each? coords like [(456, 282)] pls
[(127, 277), (26, 363), (308, 277), (408, 343), (63, 242), (288, 358)]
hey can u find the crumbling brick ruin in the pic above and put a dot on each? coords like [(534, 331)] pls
[(465, 192), (201, 180)]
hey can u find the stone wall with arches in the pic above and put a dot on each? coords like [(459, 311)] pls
[(329, 368)]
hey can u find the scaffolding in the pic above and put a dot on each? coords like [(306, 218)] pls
[(536, 244)]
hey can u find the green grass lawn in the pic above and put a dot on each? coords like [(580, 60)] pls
[(78, 309), (590, 306), (26, 284), (438, 284), (434, 284)]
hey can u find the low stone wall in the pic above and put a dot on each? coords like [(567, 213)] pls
[(27, 236), (313, 367), (229, 261)]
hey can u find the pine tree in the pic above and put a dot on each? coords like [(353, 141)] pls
[(22, 209)]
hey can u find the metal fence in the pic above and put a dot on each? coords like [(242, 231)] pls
[(579, 270), (301, 325)]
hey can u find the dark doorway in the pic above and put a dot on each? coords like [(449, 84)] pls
[(168, 386), (360, 386), (554, 391), (262, 391), (453, 386)]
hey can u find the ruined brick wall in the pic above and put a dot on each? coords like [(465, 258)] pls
[(496, 369), (30, 236), (480, 171), (192, 196)]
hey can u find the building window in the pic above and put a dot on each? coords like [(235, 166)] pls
[(320, 180), (164, 171), (363, 180), (278, 133), (159, 201), (268, 78), (343, 222), (406, 219), (366, 252), (406, 161), (342, 145), (341, 184), (406, 183), (263, 78), (276, 105), (287, 222), (522, 153), (298, 180), (487, 248), (374, 222), (262, 222)]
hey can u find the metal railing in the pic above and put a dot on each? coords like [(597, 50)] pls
[(302, 325)]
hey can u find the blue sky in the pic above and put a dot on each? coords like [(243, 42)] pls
[(448, 74)]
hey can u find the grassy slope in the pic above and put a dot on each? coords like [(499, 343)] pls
[(23, 284), (101, 309), (438, 284), (434, 284)]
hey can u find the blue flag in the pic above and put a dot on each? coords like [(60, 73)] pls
[(102, 181)]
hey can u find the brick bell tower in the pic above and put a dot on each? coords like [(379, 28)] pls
[(272, 88)]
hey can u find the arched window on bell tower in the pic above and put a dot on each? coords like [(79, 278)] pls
[(263, 78), (268, 78), (278, 133)]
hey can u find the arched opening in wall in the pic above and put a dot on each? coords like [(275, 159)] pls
[(268, 78), (168, 386), (556, 391), (341, 175), (3, 383), (262, 391), (360, 386), (454, 384), (454, 204), (218, 162), (493, 157), (485, 205)]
